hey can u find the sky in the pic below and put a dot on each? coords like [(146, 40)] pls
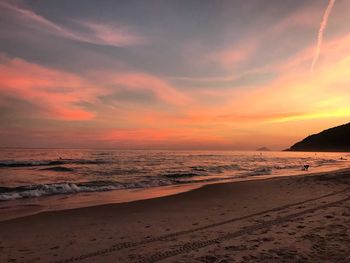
[(184, 74)]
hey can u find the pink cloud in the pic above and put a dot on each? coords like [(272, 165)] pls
[(307, 17), (231, 57), (61, 92), (57, 91)]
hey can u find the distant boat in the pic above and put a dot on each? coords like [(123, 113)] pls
[(335, 139), (263, 149)]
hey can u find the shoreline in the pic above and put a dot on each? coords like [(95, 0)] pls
[(32, 206), (244, 221)]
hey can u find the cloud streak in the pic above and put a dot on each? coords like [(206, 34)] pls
[(98, 33), (140, 81), (104, 34), (320, 33)]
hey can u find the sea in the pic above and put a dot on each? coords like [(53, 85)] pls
[(35, 180)]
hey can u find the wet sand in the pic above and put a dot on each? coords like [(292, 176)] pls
[(286, 219)]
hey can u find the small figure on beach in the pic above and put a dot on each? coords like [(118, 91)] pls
[(306, 167)]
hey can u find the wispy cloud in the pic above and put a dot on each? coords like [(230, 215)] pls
[(139, 81), (249, 48), (233, 56), (105, 34), (320, 33), (30, 15), (315, 98), (160, 87), (94, 33)]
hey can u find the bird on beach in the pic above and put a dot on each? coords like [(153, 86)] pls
[(306, 167)]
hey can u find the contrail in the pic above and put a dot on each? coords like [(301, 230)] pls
[(320, 33)]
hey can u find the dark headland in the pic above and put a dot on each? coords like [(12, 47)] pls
[(335, 139)]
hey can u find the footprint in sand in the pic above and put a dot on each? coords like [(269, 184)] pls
[(236, 248), (267, 239), (55, 247)]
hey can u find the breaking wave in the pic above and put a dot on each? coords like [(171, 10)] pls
[(30, 163), (66, 188), (181, 174), (11, 193), (86, 171)]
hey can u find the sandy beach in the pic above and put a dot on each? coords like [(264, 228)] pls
[(287, 219)]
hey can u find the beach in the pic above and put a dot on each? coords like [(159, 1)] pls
[(174, 131), (284, 219)]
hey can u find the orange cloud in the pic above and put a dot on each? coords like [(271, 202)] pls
[(58, 92)]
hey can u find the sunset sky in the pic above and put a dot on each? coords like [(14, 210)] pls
[(189, 74)]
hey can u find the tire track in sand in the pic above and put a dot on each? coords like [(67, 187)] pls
[(125, 245), (188, 247)]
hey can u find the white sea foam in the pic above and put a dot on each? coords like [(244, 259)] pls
[(52, 189), (72, 188)]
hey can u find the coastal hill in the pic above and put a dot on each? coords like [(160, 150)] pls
[(335, 139)]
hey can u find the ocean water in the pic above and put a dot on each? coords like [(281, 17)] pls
[(39, 173)]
